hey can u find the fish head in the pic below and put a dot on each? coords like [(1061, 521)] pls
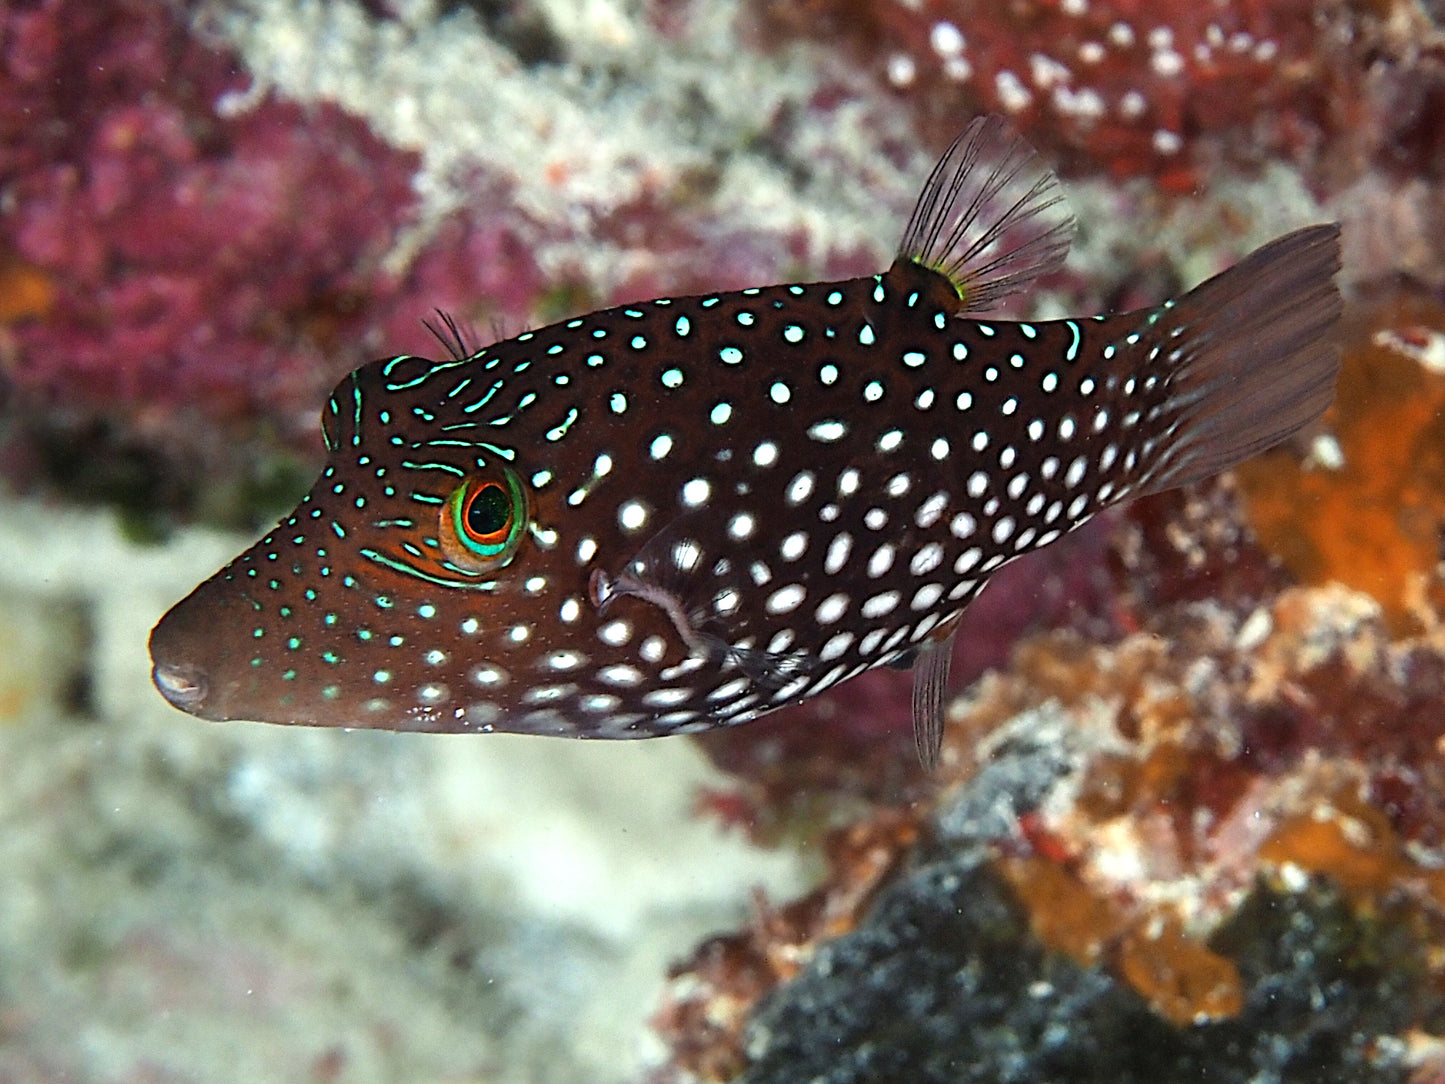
[(416, 560)]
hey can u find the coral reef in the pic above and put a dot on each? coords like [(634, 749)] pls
[(1380, 499), (175, 254), (942, 984), (1112, 84), (160, 257)]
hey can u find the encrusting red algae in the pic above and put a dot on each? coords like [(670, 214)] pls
[(687, 513)]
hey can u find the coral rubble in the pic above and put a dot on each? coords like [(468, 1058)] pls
[(1134, 89)]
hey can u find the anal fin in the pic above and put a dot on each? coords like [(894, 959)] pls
[(930, 692)]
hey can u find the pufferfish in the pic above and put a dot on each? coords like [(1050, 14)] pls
[(689, 512)]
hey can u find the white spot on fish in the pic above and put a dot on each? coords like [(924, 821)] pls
[(880, 605), (785, 599)]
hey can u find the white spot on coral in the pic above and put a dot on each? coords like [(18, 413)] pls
[(1012, 94), (1166, 142), (666, 698), (1166, 63), (926, 596), (800, 488), (835, 646), (488, 676), (433, 694), (946, 39), (615, 633), (1045, 71), (901, 69), (826, 432), (696, 492)]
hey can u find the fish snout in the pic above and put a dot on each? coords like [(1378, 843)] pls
[(184, 659)]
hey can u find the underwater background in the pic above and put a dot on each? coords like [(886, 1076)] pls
[(1190, 818)]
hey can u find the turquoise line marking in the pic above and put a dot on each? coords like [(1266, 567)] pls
[(447, 467), (508, 454), (1073, 351), (560, 430), (406, 569)]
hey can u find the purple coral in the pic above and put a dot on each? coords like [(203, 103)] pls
[(195, 257)]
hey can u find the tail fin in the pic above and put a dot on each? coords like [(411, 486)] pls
[(1253, 356)]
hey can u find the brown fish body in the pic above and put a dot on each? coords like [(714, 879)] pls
[(688, 512)]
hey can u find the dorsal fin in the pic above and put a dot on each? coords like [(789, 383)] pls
[(450, 335), (992, 217)]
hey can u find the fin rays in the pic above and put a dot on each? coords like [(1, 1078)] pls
[(991, 218), (930, 696), (1255, 353)]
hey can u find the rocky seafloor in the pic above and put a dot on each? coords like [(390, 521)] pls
[(1188, 823)]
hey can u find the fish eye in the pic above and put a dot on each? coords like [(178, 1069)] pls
[(486, 514), (484, 519)]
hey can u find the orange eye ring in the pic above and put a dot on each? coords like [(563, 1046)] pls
[(484, 520)]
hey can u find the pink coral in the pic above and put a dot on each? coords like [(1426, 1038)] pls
[(1117, 83), (194, 256)]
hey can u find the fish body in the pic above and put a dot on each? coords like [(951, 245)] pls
[(686, 513)]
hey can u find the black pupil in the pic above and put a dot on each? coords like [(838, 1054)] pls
[(489, 510)]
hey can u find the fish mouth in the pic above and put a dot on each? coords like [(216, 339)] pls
[(182, 684)]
